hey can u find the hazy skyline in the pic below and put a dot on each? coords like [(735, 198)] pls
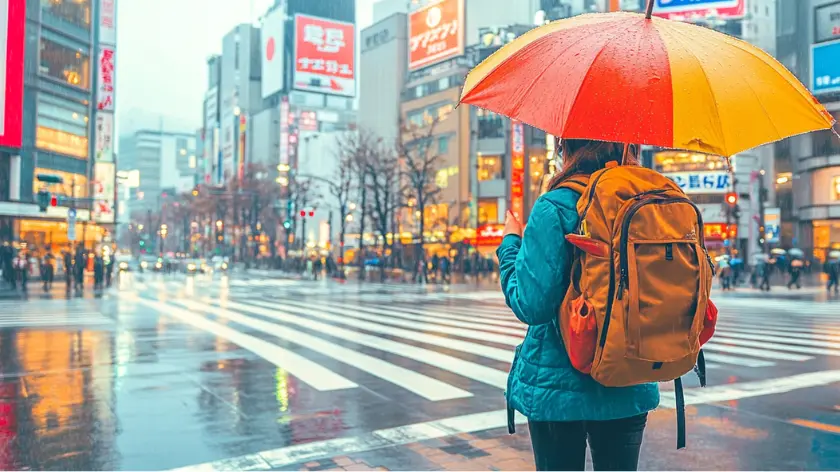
[(163, 46)]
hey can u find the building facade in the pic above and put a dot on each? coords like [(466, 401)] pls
[(166, 163), (67, 132), (809, 165)]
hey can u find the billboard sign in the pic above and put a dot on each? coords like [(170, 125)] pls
[(325, 56), (105, 137), (271, 52), (827, 22), (517, 169), (436, 33), (104, 192), (284, 131), (12, 26), (690, 9), (489, 234), (228, 148), (772, 224), (825, 67), (211, 107), (701, 182), (108, 22), (107, 80)]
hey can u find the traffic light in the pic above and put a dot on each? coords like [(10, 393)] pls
[(303, 214), (44, 198), (731, 198), (311, 213), (736, 212), (287, 224)]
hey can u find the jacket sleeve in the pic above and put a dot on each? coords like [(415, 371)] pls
[(534, 270)]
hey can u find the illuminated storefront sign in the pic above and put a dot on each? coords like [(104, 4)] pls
[(517, 169), (701, 182)]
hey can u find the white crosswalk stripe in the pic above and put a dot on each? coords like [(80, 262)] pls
[(43, 313), (459, 339)]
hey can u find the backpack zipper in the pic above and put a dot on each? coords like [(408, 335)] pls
[(624, 277)]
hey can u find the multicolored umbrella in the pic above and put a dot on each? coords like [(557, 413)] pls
[(630, 78)]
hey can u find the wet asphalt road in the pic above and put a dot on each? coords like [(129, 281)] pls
[(161, 373)]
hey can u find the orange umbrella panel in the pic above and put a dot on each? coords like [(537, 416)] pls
[(626, 78)]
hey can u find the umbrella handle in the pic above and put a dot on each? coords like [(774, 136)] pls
[(649, 11)]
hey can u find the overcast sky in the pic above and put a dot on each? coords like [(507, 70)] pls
[(163, 46)]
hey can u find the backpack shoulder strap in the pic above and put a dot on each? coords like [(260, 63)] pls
[(578, 183)]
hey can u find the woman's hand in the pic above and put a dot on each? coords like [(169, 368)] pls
[(512, 225)]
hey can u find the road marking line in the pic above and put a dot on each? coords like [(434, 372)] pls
[(503, 355), (784, 340), (417, 325), (471, 370), (311, 373), (433, 317), (730, 339), (713, 346), (828, 428), (422, 385), (738, 391), (286, 456), (789, 332), (474, 316), (724, 359)]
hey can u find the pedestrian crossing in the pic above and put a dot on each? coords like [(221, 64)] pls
[(44, 313), (438, 346)]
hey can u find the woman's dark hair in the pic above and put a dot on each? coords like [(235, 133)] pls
[(585, 156)]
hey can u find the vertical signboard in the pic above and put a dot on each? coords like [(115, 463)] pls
[(271, 38), (105, 137), (436, 33), (104, 193), (108, 22), (106, 79), (217, 158), (325, 56), (284, 131), (827, 22), (228, 147), (240, 172), (517, 169), (12, 26), (772, 224)]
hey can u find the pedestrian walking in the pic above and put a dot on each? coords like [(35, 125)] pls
[(47, 271), (832, 269), (795, 270), (98, 272)]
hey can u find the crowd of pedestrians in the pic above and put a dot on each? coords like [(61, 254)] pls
[(19, 265)]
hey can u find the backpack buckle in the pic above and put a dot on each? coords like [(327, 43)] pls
[(584, 229)]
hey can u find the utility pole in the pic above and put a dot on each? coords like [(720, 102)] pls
[(762, 229)]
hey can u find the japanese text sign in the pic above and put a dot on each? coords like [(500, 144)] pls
[(436, 33), (689, 9), (108, 22), (106, 70), (517, 171), (325, 56), (701, 182)]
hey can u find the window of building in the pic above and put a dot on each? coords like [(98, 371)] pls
[(62, 114), (490, 125), (73, 185), (490, 168), (835, 189), (826, 143), (428, 115), (677, 161), (443, 144), (65, 63), (61, 142), (488, 211), (77, 12)]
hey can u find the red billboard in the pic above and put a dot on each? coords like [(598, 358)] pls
[(436, 33), (12, 26), (325, 56)]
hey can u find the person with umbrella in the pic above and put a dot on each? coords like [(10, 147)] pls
[(602, 84), (832, 269)]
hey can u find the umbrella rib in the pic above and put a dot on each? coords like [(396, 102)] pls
[(551, 63), (706, 77)]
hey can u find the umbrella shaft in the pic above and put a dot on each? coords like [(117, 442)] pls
[(649, 12)]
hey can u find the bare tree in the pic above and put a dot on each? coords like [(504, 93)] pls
[(420, 158), (341, 188), (384, 184)]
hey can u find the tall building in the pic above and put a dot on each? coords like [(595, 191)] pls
[(384, 65), (166, 163), (67, 127), (808, 181)]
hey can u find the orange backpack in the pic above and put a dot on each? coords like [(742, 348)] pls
[(640, 282)]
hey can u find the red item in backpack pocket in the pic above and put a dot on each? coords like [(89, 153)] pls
[(583, 334), (709, 323)]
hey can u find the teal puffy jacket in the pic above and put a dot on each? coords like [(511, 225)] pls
[(542, 384)]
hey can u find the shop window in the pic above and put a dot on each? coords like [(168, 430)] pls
[(443, 144), (63, 115), (835, 189), (65, 63), (61, 142), (430, 114), (677, 161), (488, 211), (73, 185), (490, 125), (489, 168), (442, 176), (77, 12)]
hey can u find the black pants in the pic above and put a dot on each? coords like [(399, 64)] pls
[(614, 444)]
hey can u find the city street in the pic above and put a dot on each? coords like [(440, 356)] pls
[(208, 373)]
